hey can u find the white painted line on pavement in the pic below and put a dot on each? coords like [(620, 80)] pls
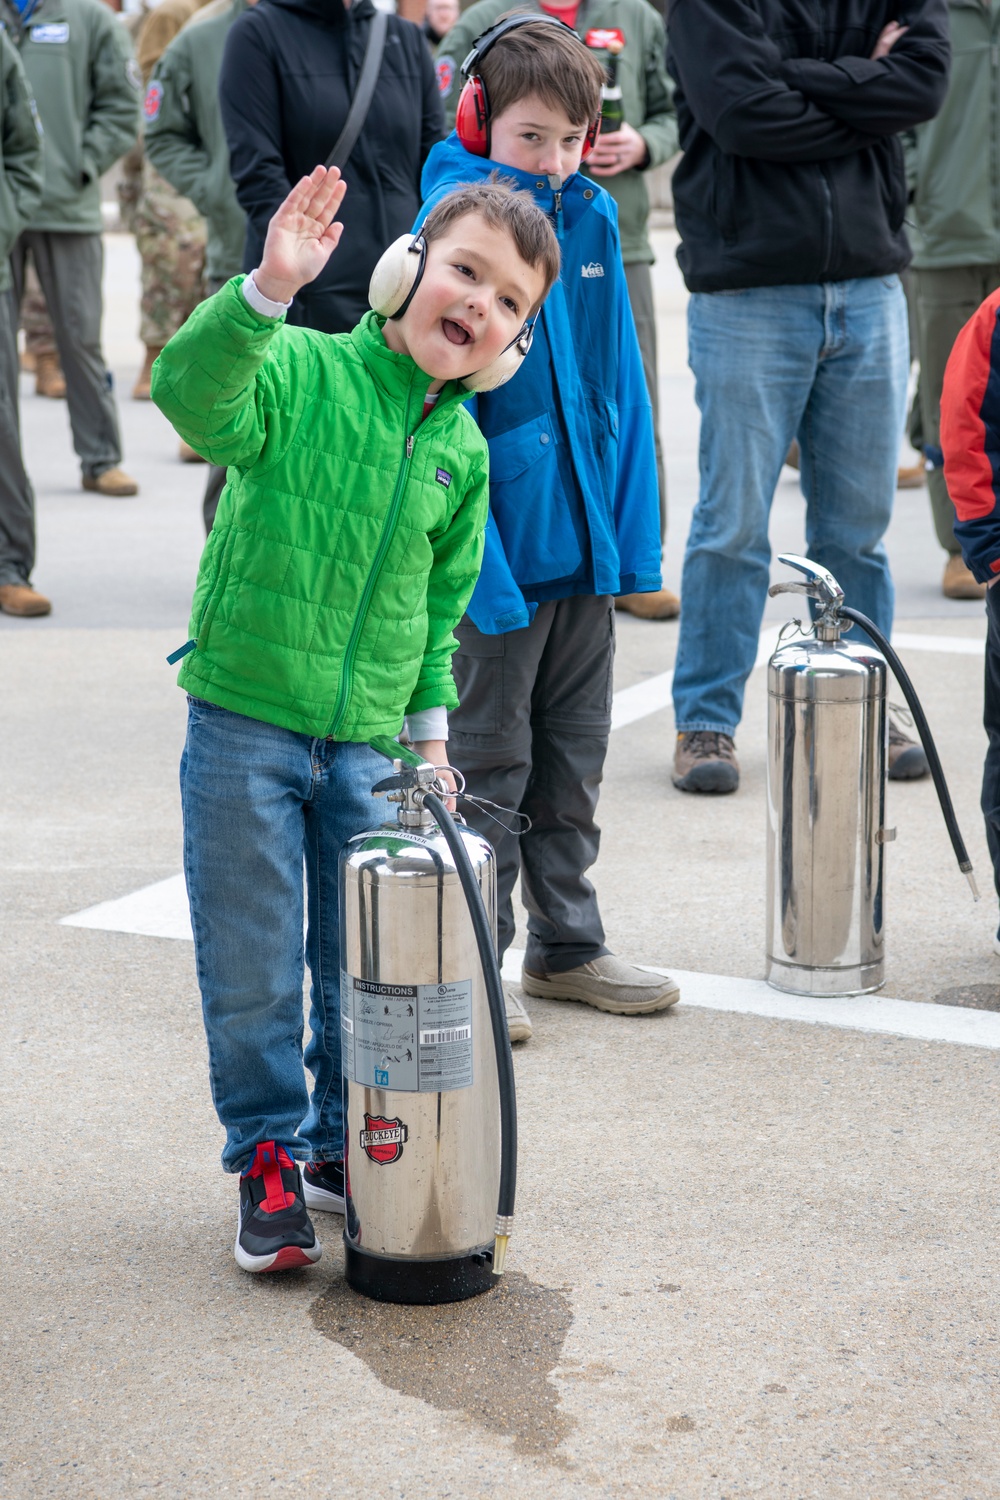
[(648, 697), (161, 910), (645, 698), (874, 1013), (961, 645)]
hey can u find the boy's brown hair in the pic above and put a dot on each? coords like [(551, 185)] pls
[(550, 61), (504, 208)]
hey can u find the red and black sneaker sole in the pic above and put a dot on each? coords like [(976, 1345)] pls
[(288, 1258)]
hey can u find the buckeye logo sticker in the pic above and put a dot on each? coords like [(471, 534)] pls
[(383, 1140), (154, 98)]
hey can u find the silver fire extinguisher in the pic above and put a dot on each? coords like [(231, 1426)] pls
[(430, 1131), (826, 786)]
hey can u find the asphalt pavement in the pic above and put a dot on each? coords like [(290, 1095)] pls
[(754, 1252)]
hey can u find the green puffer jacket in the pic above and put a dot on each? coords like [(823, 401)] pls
[(953, 160), (20, 155), (86, 83), (184, 136), (647, 93), (350, 534)]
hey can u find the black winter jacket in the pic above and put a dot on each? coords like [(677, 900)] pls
[(792, 169), (288, 75)]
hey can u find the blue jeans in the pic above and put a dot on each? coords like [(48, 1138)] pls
[(260, 803), (828, 364)]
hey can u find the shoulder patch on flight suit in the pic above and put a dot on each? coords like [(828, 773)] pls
[(154, 98)]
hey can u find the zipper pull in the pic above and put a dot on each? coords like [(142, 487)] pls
[(409, 447), (184, 650)]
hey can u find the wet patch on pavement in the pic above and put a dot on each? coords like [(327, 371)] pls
[(975, 996), (489, 1358)]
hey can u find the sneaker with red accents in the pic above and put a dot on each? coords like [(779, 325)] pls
[(323, 1182), (275, 1232)]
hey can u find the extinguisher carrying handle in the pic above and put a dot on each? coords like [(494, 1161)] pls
[(926, 739), (498, 1018)]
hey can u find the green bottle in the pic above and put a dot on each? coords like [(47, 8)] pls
[(612, 113)]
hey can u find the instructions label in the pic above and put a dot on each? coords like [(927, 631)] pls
[(415, 1038)]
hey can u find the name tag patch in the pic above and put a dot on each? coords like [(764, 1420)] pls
[(443, 477), (55, 31)]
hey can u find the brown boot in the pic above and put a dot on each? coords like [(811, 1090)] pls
[(705, 762), (659, 605), (959, 582), (114, 482), (188, 455), (49, 378), (21, 599), (906, 758), (140, 391)]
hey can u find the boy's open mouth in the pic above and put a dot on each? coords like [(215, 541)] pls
[(455, 333)]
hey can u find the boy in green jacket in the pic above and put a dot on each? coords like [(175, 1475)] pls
[(345, 549)]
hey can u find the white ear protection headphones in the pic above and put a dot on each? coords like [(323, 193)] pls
[(390, 292)]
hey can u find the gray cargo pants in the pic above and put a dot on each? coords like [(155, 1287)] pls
[(531, 733), (17, 501), (69, 268)]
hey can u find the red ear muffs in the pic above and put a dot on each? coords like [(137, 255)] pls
[(593, 131), (472, 117)]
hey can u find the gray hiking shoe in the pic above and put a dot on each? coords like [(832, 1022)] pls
[(608, 984), (518, 1020), (705, 762)]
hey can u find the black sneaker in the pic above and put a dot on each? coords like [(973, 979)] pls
[(275, 1232), (323, 1182)]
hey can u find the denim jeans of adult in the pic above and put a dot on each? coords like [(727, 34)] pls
[(826, 363), (261, 804), (991, 720)]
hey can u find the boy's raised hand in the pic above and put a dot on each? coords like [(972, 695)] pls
[(302, 235)]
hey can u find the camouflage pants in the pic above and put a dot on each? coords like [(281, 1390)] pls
[(39, 337), (170, 236)]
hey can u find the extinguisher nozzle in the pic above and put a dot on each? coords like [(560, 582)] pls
[(500, 1243), (967, 872)]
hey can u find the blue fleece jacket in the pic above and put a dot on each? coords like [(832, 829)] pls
[(574, 504)]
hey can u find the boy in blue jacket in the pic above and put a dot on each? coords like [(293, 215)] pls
[(573, 520)]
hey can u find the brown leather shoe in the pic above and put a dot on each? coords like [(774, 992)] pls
[(140, 391), (659, 605), (911, 477), (49, 378), (22, 599), (959, 582), (188, 455), (113, 482)]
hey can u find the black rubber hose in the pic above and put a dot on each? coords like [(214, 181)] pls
[(924, 731), (494, 992)]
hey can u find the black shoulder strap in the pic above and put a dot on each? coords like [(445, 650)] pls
[(363, 94)]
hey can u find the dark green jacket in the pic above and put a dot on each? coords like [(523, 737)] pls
[(954, 160), (184, 136), (647, 94), (20, 154), (350, 534), (86, 83)]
